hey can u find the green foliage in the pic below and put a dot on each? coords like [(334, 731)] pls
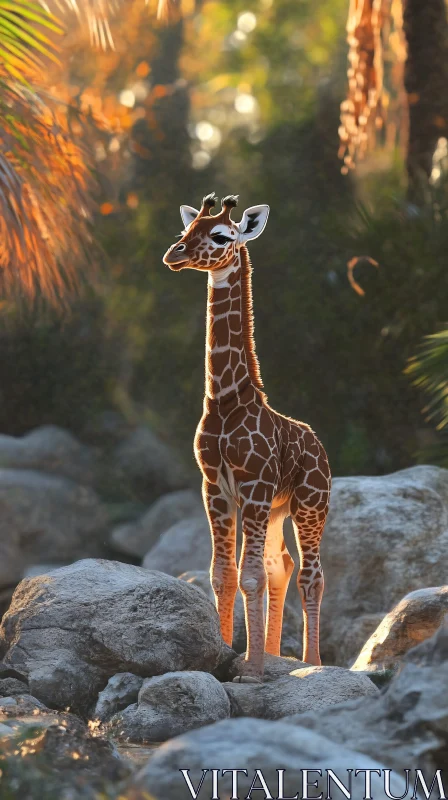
[(429, 372), (22, 40), (54, 370)]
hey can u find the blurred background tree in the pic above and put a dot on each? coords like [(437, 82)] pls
[(243, 97)]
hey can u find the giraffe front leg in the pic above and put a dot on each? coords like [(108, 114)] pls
[(223, 571), (252, 584)]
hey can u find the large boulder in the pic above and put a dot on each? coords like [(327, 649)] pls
[(185, 546), (137, 538), (252, 745), (416, 618), (71, 630), (52, 450), (147, 465), (303, 689), (407, 724), (291, 644), (46, 515), (171, 704), (385, 537)]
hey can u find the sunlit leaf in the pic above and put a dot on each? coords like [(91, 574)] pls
[(22, 40), (96, 16), (429, 372), (168, 11), (44, 199)]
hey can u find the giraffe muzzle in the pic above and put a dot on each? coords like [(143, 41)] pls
[(175, 257)]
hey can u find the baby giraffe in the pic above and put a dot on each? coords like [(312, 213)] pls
[(251, 456)]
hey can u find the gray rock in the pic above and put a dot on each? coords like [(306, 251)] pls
[(40, 569), (416, 618), (11, 686), (69, 761), (407, 724), (302, 690), (52, 450), (8, 672), (185, 546), (200, 578), (137, 538), (291, 644), (356, 635), (385, 537), (20, 705), (148, 465), (121, 690), (252, 745), (71, 630), (45, 514), (172, 704)]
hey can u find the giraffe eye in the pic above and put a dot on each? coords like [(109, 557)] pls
[(219, 238)]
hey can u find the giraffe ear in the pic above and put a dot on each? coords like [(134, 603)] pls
[(253, 222), (188, 214)]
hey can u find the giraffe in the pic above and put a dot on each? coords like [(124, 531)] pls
[(250, 456)]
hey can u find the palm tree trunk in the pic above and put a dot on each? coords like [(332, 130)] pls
[(426, 82)]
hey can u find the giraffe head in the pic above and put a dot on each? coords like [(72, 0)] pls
[(210, 242)]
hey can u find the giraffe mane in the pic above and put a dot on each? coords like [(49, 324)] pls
[(253, 365)]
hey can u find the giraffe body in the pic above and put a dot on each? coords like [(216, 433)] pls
[(250, 456)]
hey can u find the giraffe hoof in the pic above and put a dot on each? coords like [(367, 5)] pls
[(246, 679)]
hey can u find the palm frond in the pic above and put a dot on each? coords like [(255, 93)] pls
[(24, 43), (44, 198), (168, 11), (429, 372), (96, 16)]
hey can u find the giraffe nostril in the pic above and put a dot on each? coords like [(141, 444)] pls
[(180, 248)]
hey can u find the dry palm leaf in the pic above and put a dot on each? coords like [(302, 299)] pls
[(168, 11), (97, 15), (44, 199), (350, 270)]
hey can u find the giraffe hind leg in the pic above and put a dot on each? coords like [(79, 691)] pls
[(310, 582), (279, 568)]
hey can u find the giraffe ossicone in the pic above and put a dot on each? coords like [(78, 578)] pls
[(250, 456)]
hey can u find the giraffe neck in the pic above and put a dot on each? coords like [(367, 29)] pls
[(231, 361)]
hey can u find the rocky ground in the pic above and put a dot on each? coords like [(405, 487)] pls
[(113, 673)]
